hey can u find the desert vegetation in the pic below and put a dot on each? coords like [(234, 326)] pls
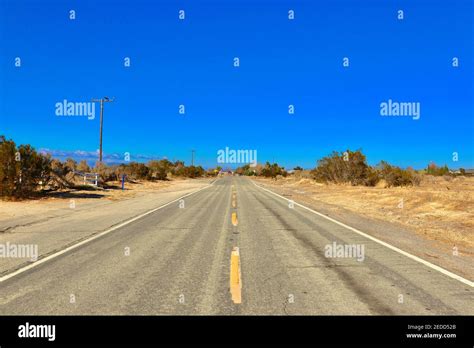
[(351, 167), (269, 170), (25, 172), (22, 169)]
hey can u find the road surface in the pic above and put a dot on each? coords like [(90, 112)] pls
[(176, 260)]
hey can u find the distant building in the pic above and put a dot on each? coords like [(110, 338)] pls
[(466, 172)]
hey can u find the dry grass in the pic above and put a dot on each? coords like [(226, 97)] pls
[(440, 209)]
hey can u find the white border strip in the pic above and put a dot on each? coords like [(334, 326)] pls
[(74, 246), (400, 251)]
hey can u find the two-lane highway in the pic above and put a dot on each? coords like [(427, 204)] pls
[(176, 260)]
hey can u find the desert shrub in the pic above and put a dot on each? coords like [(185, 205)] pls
[(34, 168), (273, 170), (9, 167), (119, 171), (193, 172), (240, 170), (70, 164), (160, 169), (178, 168), (83, 167), (349, 166), (59, 168), (372, 177), (57, 165), (212, 172), (433, 169), (246, 170), (416, 179), (21, 169), (139, 171), (108, 173), (396, 176)]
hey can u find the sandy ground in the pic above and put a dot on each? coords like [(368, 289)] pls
[(59, 200), (440, 212)]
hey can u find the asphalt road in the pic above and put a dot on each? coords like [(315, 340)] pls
[(176, 260)]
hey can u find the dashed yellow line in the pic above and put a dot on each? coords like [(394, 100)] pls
[(235, 222), (235, 276)]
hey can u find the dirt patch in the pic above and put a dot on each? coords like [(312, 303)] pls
[(66, 198)]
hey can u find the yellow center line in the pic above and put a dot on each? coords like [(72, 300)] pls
[(234, 219), (235, 276)]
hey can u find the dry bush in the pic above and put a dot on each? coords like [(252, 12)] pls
[(348, 167), (433, 169), (191, 172), (9, 167), (160, 169), (273, 170), (395, 176), (83, 167)]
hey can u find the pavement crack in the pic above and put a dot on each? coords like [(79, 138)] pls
[(9, 229)]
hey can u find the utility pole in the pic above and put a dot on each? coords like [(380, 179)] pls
[(102, 101), (192, 157)]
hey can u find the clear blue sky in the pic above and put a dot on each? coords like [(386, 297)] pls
[(283, 62)]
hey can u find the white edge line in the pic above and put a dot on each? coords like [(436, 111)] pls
[(400, 251), (74, 246)]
